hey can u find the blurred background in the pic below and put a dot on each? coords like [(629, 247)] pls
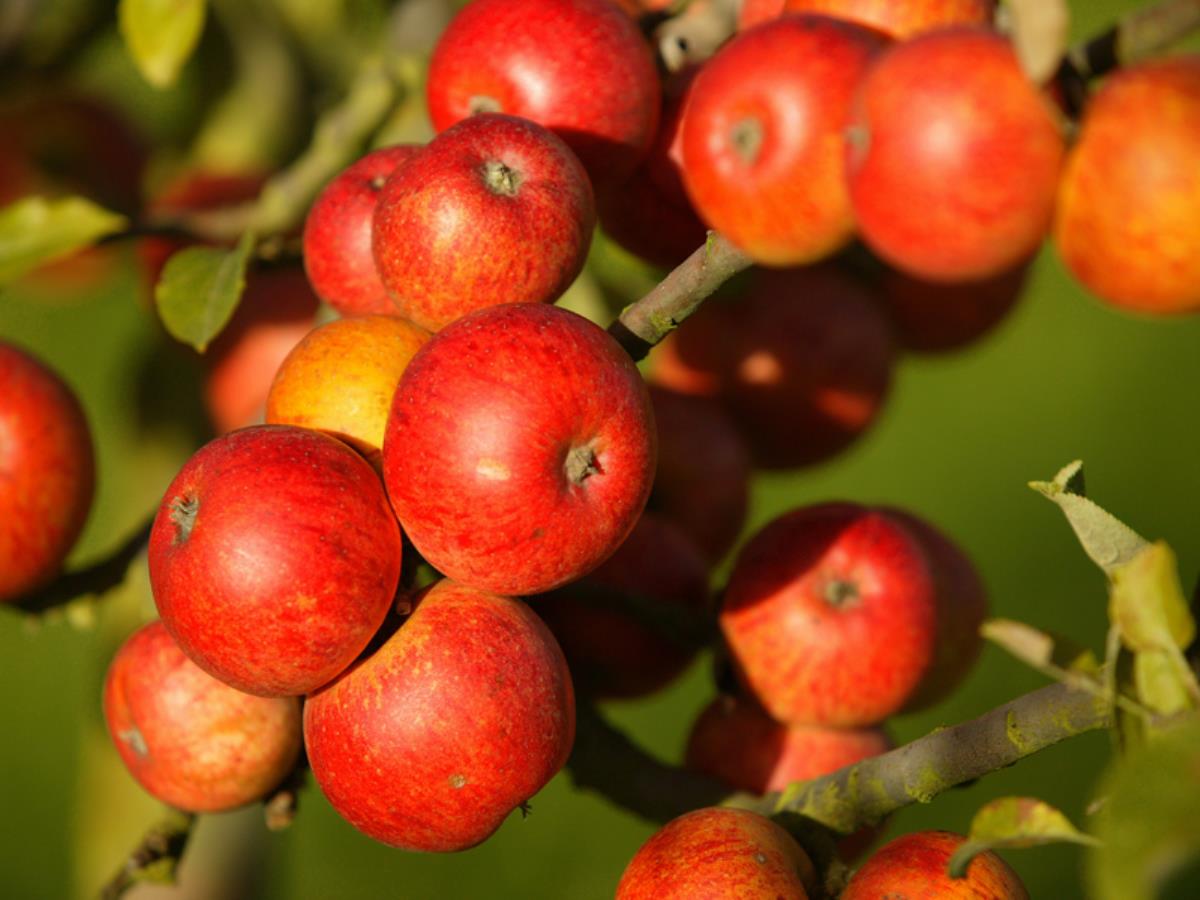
[(1062, 377)]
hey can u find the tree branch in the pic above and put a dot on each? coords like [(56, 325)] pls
[(155, 858)]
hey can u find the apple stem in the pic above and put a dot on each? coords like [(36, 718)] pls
[(500, 179), (155, 857)]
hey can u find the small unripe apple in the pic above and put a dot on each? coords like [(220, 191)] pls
[(913, 867), (274, 558), (47, 471), (456, 721), (717, 852), (191, 740)]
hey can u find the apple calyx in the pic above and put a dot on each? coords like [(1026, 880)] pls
[(183, 516), (482, 103), (501, 179), (746, 136), (840, 593), (581, 462)]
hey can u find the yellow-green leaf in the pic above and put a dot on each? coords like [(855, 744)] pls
[(200, 288), (1014, 822), (1157, 682), (1106, 539), (1039, 30), (35, 230), (1148, 604), (161, 35), (1049, 653)]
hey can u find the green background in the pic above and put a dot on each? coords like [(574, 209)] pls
[(1062, 378)]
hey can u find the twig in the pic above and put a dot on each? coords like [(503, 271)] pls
[(155, 858)]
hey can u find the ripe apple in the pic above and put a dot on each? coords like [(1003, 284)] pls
[(191, 740), (702, 483), (734, 741), (901, 19), (337, 235), (717, 852), (274, 558), (494, 210), (953, 158), (611, 652), (763, 137), (913, 867), (341, 377), (47, 472), (458, 719), (830, 615), (520, 448), (802, 362), (578, 67), (1128, 220)]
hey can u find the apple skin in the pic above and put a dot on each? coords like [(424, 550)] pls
[(1128, 218), (901, 20), (458, 719), (274, 558), (341, 378), (520, 448), (954, 157), (734, 741), (611, 653), (494, 210), (337, 235), (802, 363), (772, 179), (702, 483), (718, 852), (913, 867), (578, 67), (47, 472), (191, 740), (830, 616)]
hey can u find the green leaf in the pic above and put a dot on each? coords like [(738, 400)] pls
[(1014, 822), (1106, 539), (1157, 682), (1049, 653), (161, 35), (1148, 604), (35, 230), (199, 290), (1149, 822)]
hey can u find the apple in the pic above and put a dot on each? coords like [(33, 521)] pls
[(737, 743), (611, 652), (274, 558), (702, 483), (47, 472), (802, 362), (520, 448), (718, 852), (830, 616), (953, 158), (494, 210), (337, 235), (1128, 219), (913, 867), (762, 138), (190, 740), (901, 19), (578, 67), (457, 720), (341, 377)]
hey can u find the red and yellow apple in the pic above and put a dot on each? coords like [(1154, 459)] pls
[(913, 867)]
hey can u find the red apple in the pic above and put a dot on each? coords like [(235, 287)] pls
[(954, 157), (763, 137), (737, 743), (611, 652), (1128, 220), (47, 472), (901, 19), (830, 616), (716, 852), (274, 558), (520, 448), (802, 363), (913, 867), (337, 235), (191, 740), (702, 483), (578, 67), (494, 210), (457, 720)]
